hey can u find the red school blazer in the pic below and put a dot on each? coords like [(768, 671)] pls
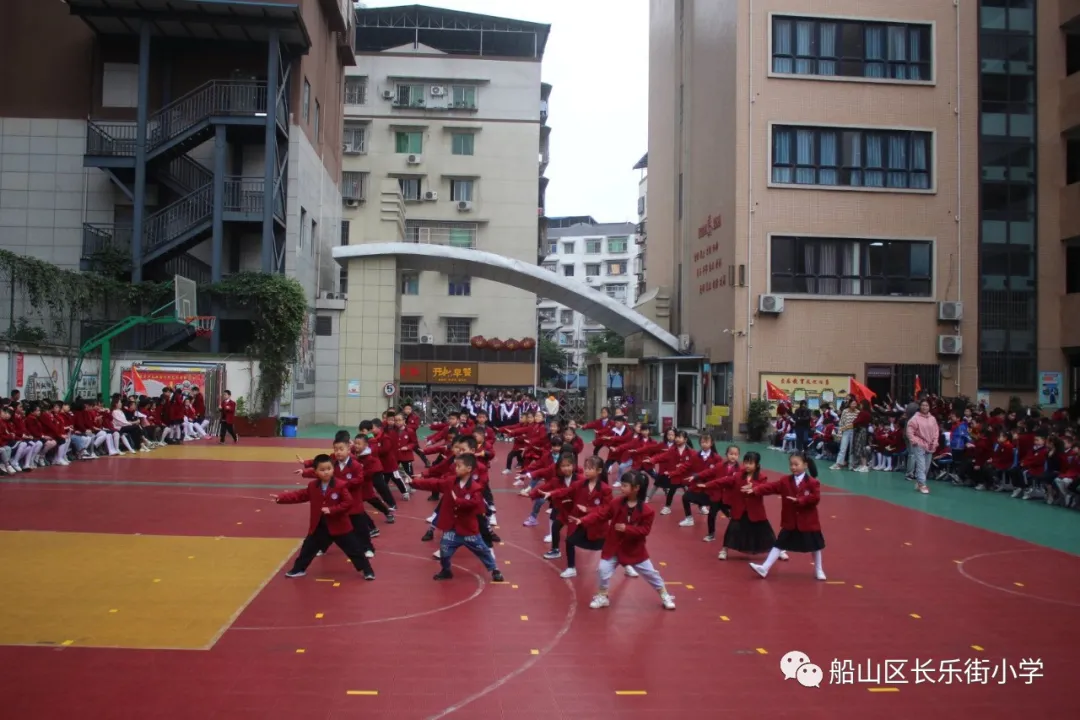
[(460, 506), (800, 514), (336, 498), (715, 487), (627, 547), (370, 462), (594, 500), (561, 496), (351, 473), (741, 504), (407, 444)]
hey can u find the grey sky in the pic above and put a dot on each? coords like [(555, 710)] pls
[(597, 61)]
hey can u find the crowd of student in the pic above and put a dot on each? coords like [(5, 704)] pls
[(599, 501), (1028, 454), (41, 433)]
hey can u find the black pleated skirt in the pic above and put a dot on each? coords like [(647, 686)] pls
[(800, 542), (749, 537)]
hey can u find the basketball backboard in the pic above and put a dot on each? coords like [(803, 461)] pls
[(187, 305)]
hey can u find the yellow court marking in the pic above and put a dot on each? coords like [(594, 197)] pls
[(866, 529), (1018, 584), (977, 648), (337, 584), (324, 579), (883, 689), (362, 692), (513, 587), (858, 587), (725, 618), (499, 582), (917, 617), (762, 651), (300, 651), (673, 583), (258, 510), (631, 692), (689, 587), (908, 544), (318, 616), (66, 643), (834, 582), (157, 580), (525, 618), (73, 580), (506, 562), (190, 557), (239, 523), (663, 564), (534, 652)]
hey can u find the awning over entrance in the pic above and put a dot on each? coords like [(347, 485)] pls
[(488, 266)]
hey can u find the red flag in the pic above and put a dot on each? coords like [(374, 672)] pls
[(918, 387), (860, 392), (138, 387), (774, 393)]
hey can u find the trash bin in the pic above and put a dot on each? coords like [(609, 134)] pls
[(289, 424)]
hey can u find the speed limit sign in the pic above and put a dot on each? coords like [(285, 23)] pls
[(389, 389)]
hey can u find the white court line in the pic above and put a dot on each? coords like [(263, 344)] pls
[(1027, 596)]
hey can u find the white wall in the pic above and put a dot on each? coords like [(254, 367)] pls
[(504, 167)]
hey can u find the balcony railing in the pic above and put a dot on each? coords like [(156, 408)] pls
[(245, 195), (354, 141), (216, 97), (187, 173), (463, 236), (353, 186), (179, 218), (110, 139), (355, 92)]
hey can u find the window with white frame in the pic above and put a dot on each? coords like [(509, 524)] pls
[(616, 268), (410, 329), (410, 188), (851, 157), (592, 270), (463, 97), (459, 285), (617, 245), (568, 270), (568, 248), (462, 143), (835, 47), (411, 142), (546, 315), (461, 190), (411, 96), (355, 90), (461, 235), (410, 283), (354, 140), (616, 292), (593, 246), (566, 317), (353, 186), (851, 267), (458, 331)]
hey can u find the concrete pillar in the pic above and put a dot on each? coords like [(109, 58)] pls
[(368, 337)]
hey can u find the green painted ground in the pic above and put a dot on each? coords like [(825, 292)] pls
[(1033, 521)]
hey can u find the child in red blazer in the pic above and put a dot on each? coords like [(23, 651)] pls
[(748, 531), (369, 460), (328, 520), (407, 444), (701, 483), (348, 470), (800, 529), (557, 490), (630, 520), (672, 465), (588, 499), (461, 506), (601, 425)]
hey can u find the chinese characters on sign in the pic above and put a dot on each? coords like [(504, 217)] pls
[(816, 389), (711, 223), (973, 671), (452, 373), (710, 264)]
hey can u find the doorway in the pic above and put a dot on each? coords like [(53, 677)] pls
[(686, 403), (879, 378)]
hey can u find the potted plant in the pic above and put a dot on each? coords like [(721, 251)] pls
[(248, 424), (758, 419)]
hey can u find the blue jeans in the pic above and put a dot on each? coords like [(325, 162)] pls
[(451, 541), (921, 461), (845, 444)]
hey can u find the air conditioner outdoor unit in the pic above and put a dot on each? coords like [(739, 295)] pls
[(464, 206), (684, 343), (771, 304), (351, 202), (414, 160), (427, 339), (950, 344), (431, 196), (951, 311), (350, 149), (389, 94), (437, 91)]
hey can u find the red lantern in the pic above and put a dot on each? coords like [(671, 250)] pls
[(478, 342), (528, 344), (495, 344), (511, 345)]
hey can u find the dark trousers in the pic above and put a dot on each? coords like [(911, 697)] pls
[(320, 539), (398, 483), (556, 532), (134, 435), (381, 487), (379, 505), (579, 539), (406, 468), (515, 454), (227, 427), (694, 498), (800, 438), (362, 527)]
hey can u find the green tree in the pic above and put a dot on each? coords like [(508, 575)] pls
[(551, 359), (609, 342)]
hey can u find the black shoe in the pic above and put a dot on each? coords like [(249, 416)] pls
[(434, 497), (444, 575), (369, 576), (495, 538), (497, 576), (428, 536), (374, 533)]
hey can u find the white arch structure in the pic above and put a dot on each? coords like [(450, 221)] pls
[(489, 266)]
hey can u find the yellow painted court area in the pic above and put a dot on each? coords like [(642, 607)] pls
[(233, 453), (129, 591)]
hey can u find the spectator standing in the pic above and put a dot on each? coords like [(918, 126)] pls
[(922, 436)]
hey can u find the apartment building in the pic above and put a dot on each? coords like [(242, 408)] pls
[(599, 255), (641, 234), (213, 146), (875, 190), (446, 142)]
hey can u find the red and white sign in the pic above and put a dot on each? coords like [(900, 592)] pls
[(144, 381), (20, 370)]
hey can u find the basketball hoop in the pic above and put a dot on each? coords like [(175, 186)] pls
[(203, 324)]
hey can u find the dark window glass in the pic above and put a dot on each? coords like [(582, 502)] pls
[(847, 267), (851, 158), (324, 325), (827, 47)]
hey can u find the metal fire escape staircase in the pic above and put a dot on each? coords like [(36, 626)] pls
[(170, 232)]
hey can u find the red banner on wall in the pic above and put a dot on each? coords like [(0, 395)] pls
[(20, 370), (155, 380)]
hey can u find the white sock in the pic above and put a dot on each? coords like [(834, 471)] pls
[(817, 561), (126, 443), (774, 555)]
